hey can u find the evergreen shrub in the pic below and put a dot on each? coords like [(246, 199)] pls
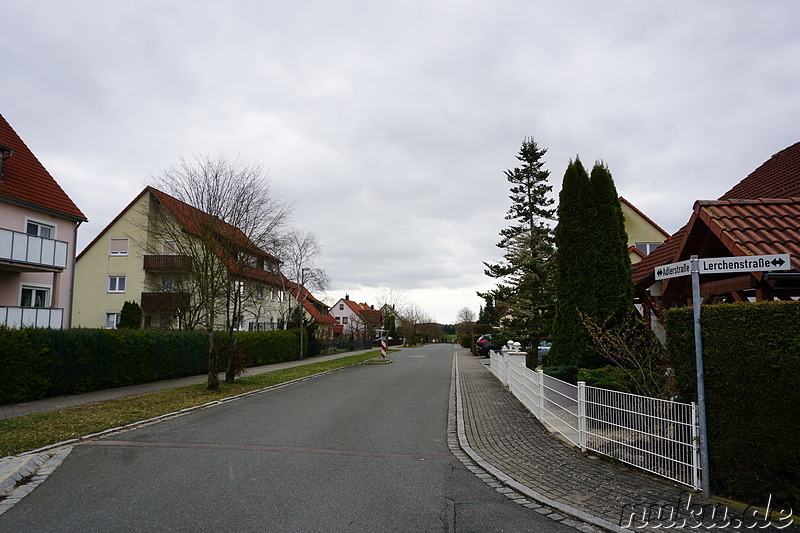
[(751, 363), (564, 373)]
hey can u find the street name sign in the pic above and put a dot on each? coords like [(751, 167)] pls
[(726, 265), (674, 270)]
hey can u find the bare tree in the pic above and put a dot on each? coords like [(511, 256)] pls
[(465, 321), (224, 224), (299, 251)]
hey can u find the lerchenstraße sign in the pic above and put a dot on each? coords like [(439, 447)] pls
[(725, 265)]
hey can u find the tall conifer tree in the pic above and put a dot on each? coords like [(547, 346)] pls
[(574, 285), (525, 272)]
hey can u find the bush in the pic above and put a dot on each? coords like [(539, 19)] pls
[(24, 363), (607, 377), (752, 381), (269, 347), (564, 373)]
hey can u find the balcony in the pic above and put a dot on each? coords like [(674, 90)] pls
[(165, 300), (23, 252), (166, 263), (37, 317)]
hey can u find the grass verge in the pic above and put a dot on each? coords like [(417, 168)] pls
[(30, 432)]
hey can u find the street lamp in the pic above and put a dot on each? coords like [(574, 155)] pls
[(302, 307)]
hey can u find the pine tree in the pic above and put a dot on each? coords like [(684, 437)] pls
[(525, 273)]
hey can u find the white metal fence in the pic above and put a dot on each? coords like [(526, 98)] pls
[(658, 436)]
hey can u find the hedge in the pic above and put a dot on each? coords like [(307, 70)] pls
[(751, 361), (39, 363)]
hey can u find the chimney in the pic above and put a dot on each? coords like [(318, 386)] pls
[(346, 296)]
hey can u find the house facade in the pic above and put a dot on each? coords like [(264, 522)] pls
[(357, 319), (644, 235), (38, 232), (135, 259)]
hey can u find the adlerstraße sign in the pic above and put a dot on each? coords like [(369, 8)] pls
[(725, 265)]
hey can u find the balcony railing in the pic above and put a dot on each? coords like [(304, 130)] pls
[(37, 317), (25, 249), (165, 263), (165, 300)]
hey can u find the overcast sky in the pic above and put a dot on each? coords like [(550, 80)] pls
[(388, 124)]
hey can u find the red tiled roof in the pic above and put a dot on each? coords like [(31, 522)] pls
[(778, 177), (663, 254), (368, 315), (755, 227), (25, 179), (193, 219)]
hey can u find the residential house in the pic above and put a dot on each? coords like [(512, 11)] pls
[(315, 310), (134, 259), (644, 235), (38, 231), (357, 319), (758, 216)]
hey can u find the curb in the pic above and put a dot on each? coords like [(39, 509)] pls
[(508, 481)]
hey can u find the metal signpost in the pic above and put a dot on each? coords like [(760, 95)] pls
[(717, 265)]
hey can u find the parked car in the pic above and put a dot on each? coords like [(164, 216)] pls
[(484, 344), (544, 347)]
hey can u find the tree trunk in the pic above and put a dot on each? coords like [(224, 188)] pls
[(213, 377)]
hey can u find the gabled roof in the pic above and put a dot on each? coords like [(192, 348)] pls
[(190, 217), (368, 315), (755, 225), (777, 177), (311, 304), (25, 181), (193, 220)]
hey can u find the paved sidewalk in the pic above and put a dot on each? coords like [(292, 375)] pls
[(507, 440), (60, 402)]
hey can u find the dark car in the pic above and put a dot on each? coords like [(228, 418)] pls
[(483, 345)]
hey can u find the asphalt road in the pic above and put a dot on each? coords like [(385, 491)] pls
[(361, 449)]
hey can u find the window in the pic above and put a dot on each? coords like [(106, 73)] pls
[(167, 284), (118, 247), (40, 230), (646, 247), (35, 297), (341, 307), (168, 248), (260, 292), (338, 320), (112, 320), (344, 320), (116, 283)]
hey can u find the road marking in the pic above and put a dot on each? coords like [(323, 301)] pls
[(265, 448)]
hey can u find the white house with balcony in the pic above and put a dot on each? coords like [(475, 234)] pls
[(38, 231)]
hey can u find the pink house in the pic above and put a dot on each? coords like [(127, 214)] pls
[(38, 231)]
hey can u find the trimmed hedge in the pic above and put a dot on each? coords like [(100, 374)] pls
[(269, 347), (39, 363), (752, 379)]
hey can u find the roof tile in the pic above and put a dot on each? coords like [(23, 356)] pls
[(26, 180)]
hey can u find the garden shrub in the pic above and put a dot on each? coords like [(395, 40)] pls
[(751, 362), (564, 373), (607, 377)]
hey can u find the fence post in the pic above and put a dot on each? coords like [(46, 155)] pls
[(582, 415), (695, 448), (540, 373)]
